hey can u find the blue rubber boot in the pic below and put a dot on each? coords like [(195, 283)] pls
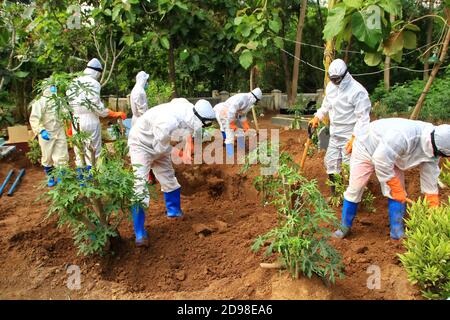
[(138, 224), (349, 210), (230, 150), (51, 179), (173, 203), (224, 136), (396, 212), (241, 142)]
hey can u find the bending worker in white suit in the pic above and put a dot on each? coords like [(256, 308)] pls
[(233, 113), (150, 148), (392, 147)]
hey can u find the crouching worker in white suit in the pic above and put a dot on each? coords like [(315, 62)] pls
[(150, 148), (391, 147), (52, 136), (233, 113)]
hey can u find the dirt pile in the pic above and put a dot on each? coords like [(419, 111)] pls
[(206, 254)]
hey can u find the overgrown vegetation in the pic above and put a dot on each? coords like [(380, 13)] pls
[(158, 92), (427, 256), (300, 239), (341, 183), (401, 99)]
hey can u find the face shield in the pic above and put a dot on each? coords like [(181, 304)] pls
[(336, 80), (205, 121), (256, 98)]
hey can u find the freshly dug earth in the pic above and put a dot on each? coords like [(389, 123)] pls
[(205, 255)]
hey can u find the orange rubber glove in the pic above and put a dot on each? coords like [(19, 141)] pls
[(433, 199), (314, 122), (245, 125), (113, 114), (349, 145), (397, 191), (233, 126), (69, 132)]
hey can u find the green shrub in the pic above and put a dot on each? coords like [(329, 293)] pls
[(301, 238), (402, 98), (445, 173), (427, 259), (158, 92), (35, 154)]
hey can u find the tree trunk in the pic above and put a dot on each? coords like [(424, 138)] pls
[(298, 50), (387, 73), (347, 49), (426, 66), (252, 86), (387, 65), (434, 72), (172, 74), (285, 61), (329, 52)]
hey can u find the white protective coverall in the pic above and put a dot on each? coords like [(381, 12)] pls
[(138, 98), (348, 106), (150, 143), (235, 108), (44, 117), (87, 108), (391, 147)]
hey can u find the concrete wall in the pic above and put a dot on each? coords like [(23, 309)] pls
[(273, 101)]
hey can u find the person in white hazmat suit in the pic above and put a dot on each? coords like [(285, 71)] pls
[(150, 148), (233, 113), (391, 147), (46, 124), (348, 106), (87, 108), (138, 98)]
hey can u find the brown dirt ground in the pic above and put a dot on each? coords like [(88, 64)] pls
[(179, 264)]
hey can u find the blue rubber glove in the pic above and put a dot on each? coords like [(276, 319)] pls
[(230, 149), (45, 135)]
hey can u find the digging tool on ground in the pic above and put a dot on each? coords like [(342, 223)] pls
[(8, 177), (16, 183), (307, 145)]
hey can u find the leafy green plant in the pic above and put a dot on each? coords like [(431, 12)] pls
[(91, 203), (445, 173), (158, 92), (341, 183), (6, 115), (301, 239), (427, 256), (35, 154)]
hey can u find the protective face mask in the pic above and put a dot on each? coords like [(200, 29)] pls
[(53, 89)]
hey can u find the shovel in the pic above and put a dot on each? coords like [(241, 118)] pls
[(307, 145)]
